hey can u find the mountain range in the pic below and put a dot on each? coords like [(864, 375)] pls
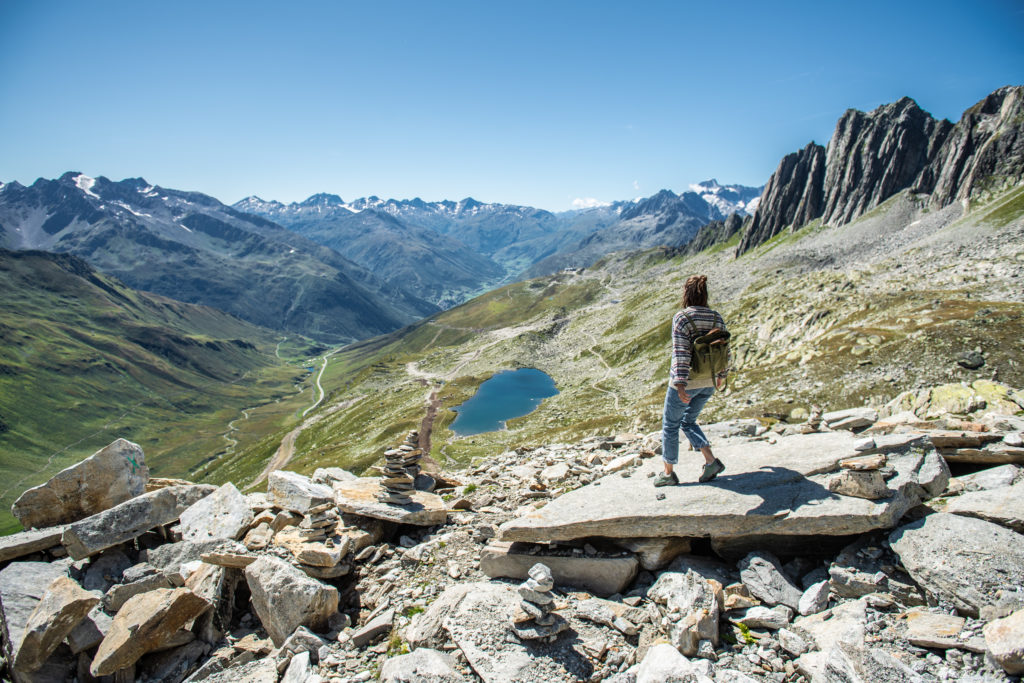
[(193, 248)]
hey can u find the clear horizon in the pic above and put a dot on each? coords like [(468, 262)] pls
[(526, 104)]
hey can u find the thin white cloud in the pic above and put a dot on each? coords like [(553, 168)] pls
[(588, 203), (636, 184)]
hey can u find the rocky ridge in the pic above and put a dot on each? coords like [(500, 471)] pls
[(321, 579), (896, 147)]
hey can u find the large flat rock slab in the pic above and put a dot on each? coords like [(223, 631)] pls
[(106, 478), (778, 489), (961, 560), (359, 497), (27, 542), (1004, 506), (481, 625), (130, 519)]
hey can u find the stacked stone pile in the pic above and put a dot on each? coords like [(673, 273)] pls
[(537, 618), (401, 467), (317, 580)]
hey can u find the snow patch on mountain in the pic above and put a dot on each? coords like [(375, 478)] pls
[(85, 184), (727, 199)]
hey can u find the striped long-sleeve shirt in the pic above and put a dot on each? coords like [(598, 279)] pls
[(705, 320)]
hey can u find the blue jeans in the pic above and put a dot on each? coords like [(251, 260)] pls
[(679, 415)]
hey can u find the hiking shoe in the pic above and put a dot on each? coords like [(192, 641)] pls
[(711, 471), (666, 479)]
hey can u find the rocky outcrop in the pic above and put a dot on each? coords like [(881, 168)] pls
[(984, 151), (108, 477), (874, 155), (715, 232), (793, 196)]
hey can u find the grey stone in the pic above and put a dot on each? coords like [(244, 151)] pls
[(62, 607), (292, 491), (171, 666), (145, 623), (767, 490), (853, 418), (869, 484), (761, 617), (298, 670), (968, 573), (845, 622), (934, 475), (106, 478), (259, 671), (601, 575), (374, 628), (25, 543), (284, 598), (848, 663), (690, 605), (223, 514), (664, 664), (857, 572), (329, 476), (427, 628), (170, 557), (1005, 641), (22, 585), (130, 519), (1003, 506), (762, 574), (992, 478), (420, 666), (792, 642), (90, 632), (471, 625), (303, 640), (361, 497), (106, 570), (814, 599)]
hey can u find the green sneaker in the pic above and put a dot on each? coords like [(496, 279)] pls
[(711, 471), (666, 480)]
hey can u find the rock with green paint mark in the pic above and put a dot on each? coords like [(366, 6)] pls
[(106, 478)]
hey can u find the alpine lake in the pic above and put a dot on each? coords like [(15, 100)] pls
[(506, 395)]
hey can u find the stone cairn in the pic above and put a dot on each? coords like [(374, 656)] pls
[(536, 618), (401, 466), (317, 521)]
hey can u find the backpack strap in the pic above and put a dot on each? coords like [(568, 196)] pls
[(694, 333)]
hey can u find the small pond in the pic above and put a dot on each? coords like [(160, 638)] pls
[(504, 396)]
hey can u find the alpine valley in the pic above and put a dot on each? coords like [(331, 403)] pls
[(873, 285)]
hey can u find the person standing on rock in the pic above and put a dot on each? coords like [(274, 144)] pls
[(685, 397)]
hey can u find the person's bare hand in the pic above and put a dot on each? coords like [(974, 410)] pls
[(719, 383), (683, 396)]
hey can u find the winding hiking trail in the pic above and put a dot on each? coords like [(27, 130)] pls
[(607, 371), (319, 386), (286, 450)]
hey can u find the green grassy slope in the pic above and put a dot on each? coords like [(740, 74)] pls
[(85, 360), (830, 316)]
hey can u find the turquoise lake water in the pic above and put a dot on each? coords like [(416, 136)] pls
[(506, 395)]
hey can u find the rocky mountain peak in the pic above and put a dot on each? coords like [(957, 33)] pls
[(874, 155)]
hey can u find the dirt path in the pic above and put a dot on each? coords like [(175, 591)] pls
[(320, 387), (286, 450), (607, 371)]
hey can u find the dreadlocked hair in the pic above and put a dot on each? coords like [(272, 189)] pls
[(695, 291)]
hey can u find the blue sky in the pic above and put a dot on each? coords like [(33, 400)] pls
[(537, 103)]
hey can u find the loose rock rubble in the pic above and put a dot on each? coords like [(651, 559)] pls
[(839, 549)]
